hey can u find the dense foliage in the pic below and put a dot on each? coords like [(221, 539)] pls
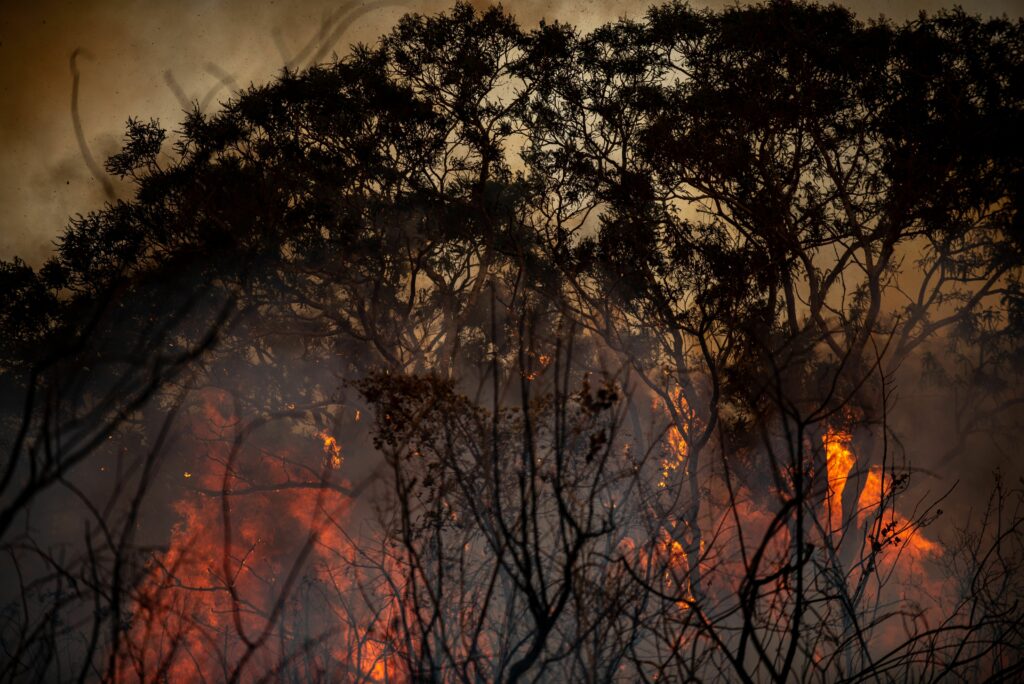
[(748, 219)]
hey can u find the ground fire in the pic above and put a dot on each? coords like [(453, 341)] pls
[(684, 349)]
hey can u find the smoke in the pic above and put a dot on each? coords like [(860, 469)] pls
[(147, 57), (272, 431)]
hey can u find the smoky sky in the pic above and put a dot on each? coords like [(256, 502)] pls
[(149, 58)]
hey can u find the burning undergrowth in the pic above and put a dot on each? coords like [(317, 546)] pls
[(494, 354)]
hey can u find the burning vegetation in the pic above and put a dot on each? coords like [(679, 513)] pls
[(496, 354)]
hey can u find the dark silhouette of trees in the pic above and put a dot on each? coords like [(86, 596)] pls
[(610, 326)]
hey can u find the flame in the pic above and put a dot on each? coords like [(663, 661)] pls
[(871, 496), (677, 566), (332, 450), (677, 447), (894, 529), (211, 593), (666, 561), (839, 461), (543, 360), (877, 489)]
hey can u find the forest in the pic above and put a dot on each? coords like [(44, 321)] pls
[(685, 349)]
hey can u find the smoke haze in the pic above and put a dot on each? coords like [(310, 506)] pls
[(148, 59)]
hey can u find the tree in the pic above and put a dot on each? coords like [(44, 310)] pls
[(748, 223)]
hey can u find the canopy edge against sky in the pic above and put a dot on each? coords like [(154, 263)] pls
[(141, 58)]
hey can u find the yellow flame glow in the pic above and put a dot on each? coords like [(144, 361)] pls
[(332, 450), (676, 443), (839, 459)]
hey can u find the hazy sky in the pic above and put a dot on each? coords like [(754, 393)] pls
[(135, 54)]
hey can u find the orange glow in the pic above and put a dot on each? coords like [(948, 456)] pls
[(332, 450), (676, 442), (677, 567), (209, 593), (666, 562), (876, 488), (871, 495), (839, 460), (543, 360)]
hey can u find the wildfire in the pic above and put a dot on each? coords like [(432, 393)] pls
[(676, 444), (893, 528), (229, 565), (211, 593), (332, 450), (666, 561), (543, 360), (839, 460), (871, 495), (677, 568), (873, 498)]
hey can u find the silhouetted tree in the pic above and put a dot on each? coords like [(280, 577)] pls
[(746, 222)]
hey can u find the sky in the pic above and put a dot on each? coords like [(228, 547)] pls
[(143, 58)]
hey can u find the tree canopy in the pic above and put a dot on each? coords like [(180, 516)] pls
[(747, 222)]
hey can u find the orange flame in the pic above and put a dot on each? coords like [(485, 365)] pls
[(543, 360), (676, 442), (839, 461), (896, 529), (210, 594), (332, 450)]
